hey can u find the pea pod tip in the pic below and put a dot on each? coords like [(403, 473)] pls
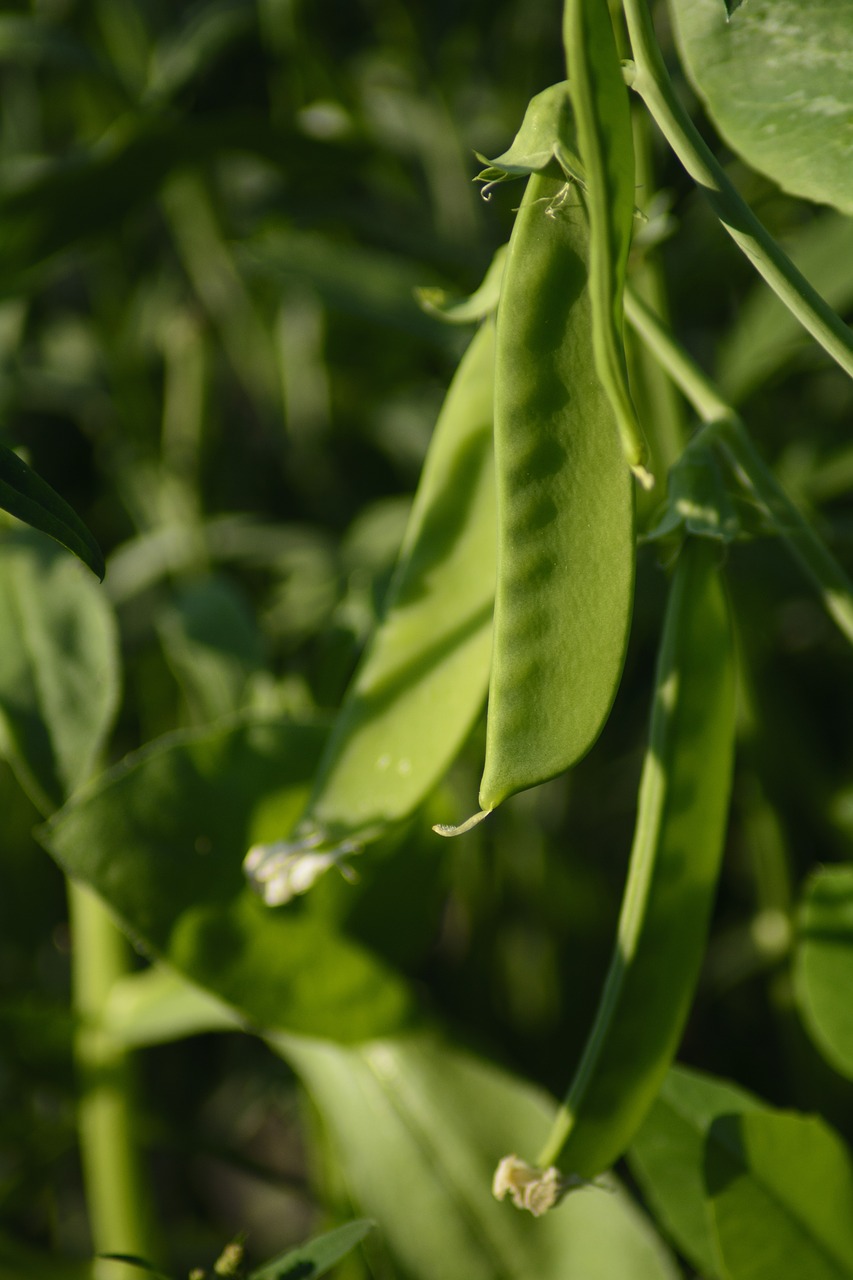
[(645, 477), (448, 829)]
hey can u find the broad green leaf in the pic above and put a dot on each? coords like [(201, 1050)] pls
[(25, 495), (780, 1187), (777, 81), (667, 1158), (418, 1128), (58, 667), (161, 838), (823, 964), (315, 1258), (766, 336)]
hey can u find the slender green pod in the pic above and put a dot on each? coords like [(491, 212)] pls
[(423, 679), (565, 508), (602, 113), (672, 876)]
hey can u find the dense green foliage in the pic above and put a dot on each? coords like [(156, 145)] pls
[(258, 334)]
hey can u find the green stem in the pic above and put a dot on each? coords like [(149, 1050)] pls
[(663, 407), (115, 1193), (651, 81), (726, 430), (832, 583), (696, 386)]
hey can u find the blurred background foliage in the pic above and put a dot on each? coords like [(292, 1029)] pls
[(212, 220)]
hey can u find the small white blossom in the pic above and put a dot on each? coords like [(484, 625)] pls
[(283, 870), (536, 1190)]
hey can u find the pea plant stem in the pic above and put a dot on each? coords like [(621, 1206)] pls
[(117, 1203), (651, 81), (725, 429)]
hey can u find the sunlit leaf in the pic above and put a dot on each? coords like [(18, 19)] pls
[(418, 1129), (777, 81)]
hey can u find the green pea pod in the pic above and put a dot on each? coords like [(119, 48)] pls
[(602, 114), (672, 877), (565, 509), (423, 679)]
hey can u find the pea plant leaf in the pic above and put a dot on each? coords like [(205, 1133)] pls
[(417, 1127), (780, 1188), (58, 667), (317, 1256), (701, 502), (667, 1158), (24, 494), (823, 964), (541, 144), (161, 838), (777, 81)]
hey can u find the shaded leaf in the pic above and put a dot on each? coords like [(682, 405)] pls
[(24, 494), (823, 964), (780, 1187), (315, 1258), (667, 1158), (162, 837)]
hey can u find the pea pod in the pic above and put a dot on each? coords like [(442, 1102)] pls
[(672, 877), (423, 679), (602, 113), (565, 508)]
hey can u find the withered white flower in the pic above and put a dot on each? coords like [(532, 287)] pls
[(286, 868), (536, 1190)]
